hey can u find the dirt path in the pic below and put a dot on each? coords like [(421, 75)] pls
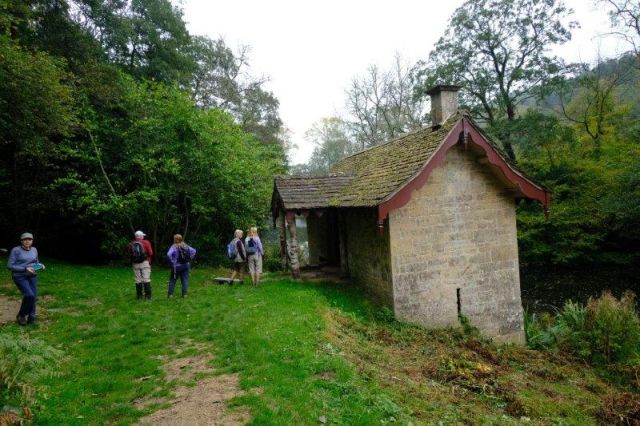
[(9, 307), (205, 403)]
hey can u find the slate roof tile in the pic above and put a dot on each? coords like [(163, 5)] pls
[(306, 192)]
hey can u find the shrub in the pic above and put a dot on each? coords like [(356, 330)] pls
[(540, 332), (23, 361), (605, 331), (612, 328)]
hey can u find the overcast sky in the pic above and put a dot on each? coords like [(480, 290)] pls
[(311, 50)]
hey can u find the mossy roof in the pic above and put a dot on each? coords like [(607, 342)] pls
[(380, 170), (369, 177), (308, 192)]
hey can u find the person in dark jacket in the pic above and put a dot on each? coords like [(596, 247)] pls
[(142, 265), (240, 261), (24, 263), (180, 256)]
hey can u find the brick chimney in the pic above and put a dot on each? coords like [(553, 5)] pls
[(444, 103)]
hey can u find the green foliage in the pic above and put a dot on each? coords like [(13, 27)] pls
[(24, 361), (604, 331), (594, 217), (100, 132), (539, 332), (147, 38), (160, 161), (612, 329)]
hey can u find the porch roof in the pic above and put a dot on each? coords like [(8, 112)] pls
[(309, 192)]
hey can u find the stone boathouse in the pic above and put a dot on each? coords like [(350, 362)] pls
[(426, 222)]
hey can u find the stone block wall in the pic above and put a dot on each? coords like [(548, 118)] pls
[(454, 244), (368, 256)]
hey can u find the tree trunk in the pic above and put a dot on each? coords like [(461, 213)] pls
[(283, 241), (293, 247)]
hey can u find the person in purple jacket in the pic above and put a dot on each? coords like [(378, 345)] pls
[(180, 256), (23, 263)]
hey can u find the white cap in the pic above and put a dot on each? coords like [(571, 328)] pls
[(139, 234)]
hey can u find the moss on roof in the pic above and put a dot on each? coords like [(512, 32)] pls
[(379, 171), (308, 192), (367, 178)]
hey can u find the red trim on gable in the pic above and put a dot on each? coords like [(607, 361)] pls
[(464, 128)]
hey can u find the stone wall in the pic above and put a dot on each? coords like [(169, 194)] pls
[(454, 244), (368, 257)]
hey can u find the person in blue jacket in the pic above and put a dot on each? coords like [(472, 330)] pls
[(180, 256), (24, 263)]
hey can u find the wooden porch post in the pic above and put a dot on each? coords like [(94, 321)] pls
[(293, 248), (283, 240)]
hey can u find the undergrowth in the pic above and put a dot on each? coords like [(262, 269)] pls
[(605, 331), (24, 361)]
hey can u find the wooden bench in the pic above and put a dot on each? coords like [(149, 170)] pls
[(223, 280)]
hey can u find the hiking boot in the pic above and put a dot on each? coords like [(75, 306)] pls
[(21, 320), (139, 291), (147, 290)]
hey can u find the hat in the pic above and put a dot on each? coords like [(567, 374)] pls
[(26, 236), (139, 234)]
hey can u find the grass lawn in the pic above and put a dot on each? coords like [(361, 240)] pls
[(304, 352)]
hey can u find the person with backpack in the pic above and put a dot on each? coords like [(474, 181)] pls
[(236, 252), (255, 252), (141, 253), (180, 256), (23, 263)]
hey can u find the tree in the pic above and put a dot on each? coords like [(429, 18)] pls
[(593, 104), (222, 80), (382, 106), (37, 112), (332, 142), (625, 17), (497, 50), (148, 38), (165, 165), (99, 133)]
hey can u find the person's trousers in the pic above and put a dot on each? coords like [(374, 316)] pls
[(28, 286), (142, 276), (181, 271)]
